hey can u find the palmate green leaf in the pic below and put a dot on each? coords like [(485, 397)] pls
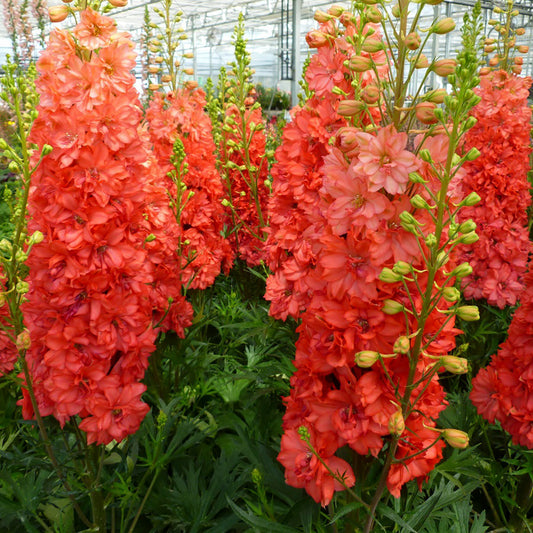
[(383, 510), (343, 511), (262, 525)]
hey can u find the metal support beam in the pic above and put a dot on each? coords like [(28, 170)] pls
[(295, 55)]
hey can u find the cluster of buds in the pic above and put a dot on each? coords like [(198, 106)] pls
[(504, 47), (166, 64), (59, 13)]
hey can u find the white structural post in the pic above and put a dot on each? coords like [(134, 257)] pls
[(296, 60)]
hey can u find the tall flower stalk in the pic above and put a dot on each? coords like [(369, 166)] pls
[(363, 246), (238, 130)]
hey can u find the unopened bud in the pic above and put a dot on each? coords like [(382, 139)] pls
[(321, 16), (23, 341), (389, 276), (468, 313), (425, 112), (443, 26), (461, 271), (402, 345), (413, 41), (22, 287), (391, 307), (46, 149), (453, 364), (522, 48), (472, 199), (335, 10), (419, 202), (401, 267), (349, 108), (366, 358), (118, 3), (58, 13), (359, 63), (472, 154), (370, 94), (422, 62), (444, 67), (455, 438), (451, 294), (374, 15), (436, 96), (396, 423), (372, 45)]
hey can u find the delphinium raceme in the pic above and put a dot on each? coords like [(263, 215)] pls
[(499, 175), (238, 129), (94, 300), (180, 131), (363, 248)]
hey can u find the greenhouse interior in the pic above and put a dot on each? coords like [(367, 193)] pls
[(248, 277)]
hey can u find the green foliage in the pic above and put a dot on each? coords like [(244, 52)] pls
[(272, 99)]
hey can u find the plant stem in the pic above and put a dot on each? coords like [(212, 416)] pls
[(381, 484)]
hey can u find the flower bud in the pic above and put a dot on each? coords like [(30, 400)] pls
[(13, 167), (396, 11), (455, 438), (165, 78), (402, 345), (467, 226), (366, 358), (516, 69), (370, 94), (472, 154), (58, 13), (425, 112), (436, 96), (468, 313), (419, 202), (372, 45), (349, 108), (444, 67), (118, 3), (413, 41), (316, 39), (489, 48), (422, 62), (346, 139), (451, 294), (472, 199), (188, 71), (518, 60), (522, 48), (389, 276), (23, 341), (335, 10), (425, 155), (407, 218), (396, 423), (321, 16), (470, 123), (453, 364), (401, 267), (430, 240), (374, 15), (415, 177), (443, 26), (469, 238), (22, 287), (461, 271), (36, 237), (391, 307), (359, 63)]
